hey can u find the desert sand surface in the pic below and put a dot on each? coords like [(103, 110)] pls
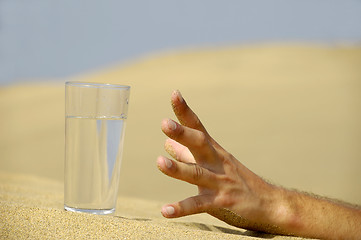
[(291, 113), (32, 208)]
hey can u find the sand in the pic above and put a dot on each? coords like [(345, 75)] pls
[(290, 113), (31, 207)]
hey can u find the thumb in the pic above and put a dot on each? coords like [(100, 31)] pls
[(189, 206)]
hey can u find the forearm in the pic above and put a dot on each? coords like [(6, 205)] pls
[(300, 214), (312, 216)]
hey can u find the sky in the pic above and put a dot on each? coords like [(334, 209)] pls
[(48, 39)]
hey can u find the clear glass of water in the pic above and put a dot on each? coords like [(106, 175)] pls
[(95, 117)]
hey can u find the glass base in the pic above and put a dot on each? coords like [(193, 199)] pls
[(92, 211)]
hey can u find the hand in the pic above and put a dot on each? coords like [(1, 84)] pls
[(226, 188), (231, 192)]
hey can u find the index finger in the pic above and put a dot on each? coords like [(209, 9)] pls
[(188, 172), (184, 113), (186, 116)]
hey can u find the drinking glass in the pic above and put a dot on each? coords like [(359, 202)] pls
[(95, 116)]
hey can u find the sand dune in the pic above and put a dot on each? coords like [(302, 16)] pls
[(289, 113)]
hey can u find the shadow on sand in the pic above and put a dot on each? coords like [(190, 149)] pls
[(211, 228)]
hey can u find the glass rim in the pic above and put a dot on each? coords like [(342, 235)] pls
[(95, 85)]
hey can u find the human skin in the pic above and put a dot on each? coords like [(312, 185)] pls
[(232, 193)]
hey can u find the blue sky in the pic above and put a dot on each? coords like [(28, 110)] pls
[(48, 39)]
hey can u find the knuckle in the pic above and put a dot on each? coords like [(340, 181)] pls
[(179, 131), (225, 157), (226, 179), (197, 203), (226, 198), (202, 140), (226, 201), (197, 173), (227, 195), (197, 122)]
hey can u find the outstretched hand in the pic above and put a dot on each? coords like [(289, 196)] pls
[(226, 188), (231, 192)]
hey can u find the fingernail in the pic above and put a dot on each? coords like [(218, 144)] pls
[(179, 95), (168, 163), (169, 210), (172, 125)]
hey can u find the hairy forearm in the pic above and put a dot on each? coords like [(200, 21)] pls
[(301, 214), (307, 215)]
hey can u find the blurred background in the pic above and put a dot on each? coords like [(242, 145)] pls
[(277, 83), (48, 40)]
